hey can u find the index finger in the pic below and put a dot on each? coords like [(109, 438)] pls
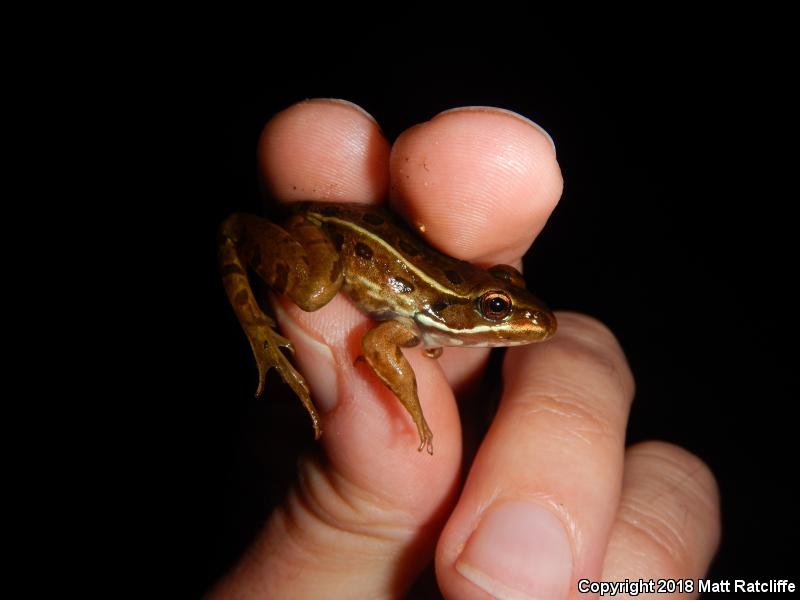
[(481, 181)]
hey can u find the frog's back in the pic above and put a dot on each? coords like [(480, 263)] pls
[(370, 234)]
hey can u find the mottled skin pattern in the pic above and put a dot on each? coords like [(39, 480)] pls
[(418, 294)]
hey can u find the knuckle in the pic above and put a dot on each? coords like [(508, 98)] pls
[(581, 420)]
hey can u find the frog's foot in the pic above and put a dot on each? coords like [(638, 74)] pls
[(267, 344), (425, 437)]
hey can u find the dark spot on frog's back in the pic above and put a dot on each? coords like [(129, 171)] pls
[(281, 278), (407, 248), (363, 251), (241, 297), (439, 306), (373, 219), (338, 240), (454, 276)]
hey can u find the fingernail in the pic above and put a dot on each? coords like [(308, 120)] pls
[(314, 359), (520, 550), (504, 111), (345, 103)]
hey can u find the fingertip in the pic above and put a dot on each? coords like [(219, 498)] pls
[(668, 522), (324, 149), (481, 181), (678, 470), (502, 111)]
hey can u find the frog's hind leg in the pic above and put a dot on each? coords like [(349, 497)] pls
[(303, 264)]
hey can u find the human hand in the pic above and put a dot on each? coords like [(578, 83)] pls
[(552, 495)]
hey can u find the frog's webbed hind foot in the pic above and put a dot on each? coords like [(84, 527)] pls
[(267, 344)]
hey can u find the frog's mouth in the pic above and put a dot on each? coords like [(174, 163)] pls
[(514, 332)]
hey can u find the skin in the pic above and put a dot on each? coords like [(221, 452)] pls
[(365, 520)]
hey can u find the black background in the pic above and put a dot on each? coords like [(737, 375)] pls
[(675, 229)]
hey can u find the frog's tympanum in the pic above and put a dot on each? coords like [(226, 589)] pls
[(416, 293)]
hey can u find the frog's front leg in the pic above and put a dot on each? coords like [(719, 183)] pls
[(381, 346), (299, 261)]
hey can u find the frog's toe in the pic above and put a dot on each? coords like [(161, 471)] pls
[(425, 439), (282, 342)]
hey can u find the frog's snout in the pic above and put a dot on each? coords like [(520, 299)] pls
[(545, 322)]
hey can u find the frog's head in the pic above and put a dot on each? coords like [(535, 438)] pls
[(511, 316), (499, 312)]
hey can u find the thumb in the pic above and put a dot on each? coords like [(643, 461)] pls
[(363, 517)]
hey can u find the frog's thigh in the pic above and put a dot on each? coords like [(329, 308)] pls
[(381, 347), (299, 261), (323, 263)]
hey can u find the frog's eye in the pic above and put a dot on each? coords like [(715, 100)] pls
[(495, 306)]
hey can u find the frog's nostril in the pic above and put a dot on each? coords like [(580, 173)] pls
[(544, 320), (540, 318)]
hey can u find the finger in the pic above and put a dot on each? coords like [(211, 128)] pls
[(363, 521), (668, 523), (482, 182), (541, 496), (324, 149)]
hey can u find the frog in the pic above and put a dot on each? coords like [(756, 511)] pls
[(416, 294)]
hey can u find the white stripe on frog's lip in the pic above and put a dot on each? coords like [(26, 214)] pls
[(392, 250), (494, 327), (433, 339)]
